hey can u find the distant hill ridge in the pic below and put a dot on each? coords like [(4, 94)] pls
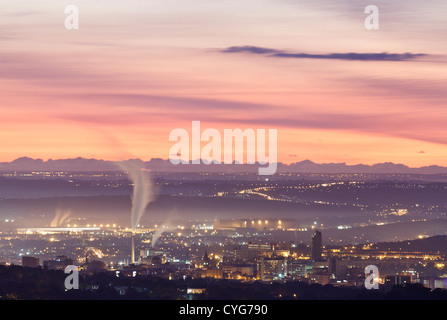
[(433, 244), (157, 164)]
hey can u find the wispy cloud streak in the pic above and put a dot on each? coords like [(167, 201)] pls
[(383, 56)]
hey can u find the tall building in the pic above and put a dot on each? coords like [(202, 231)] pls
[(316, 246), (30, 262), (252, 251)]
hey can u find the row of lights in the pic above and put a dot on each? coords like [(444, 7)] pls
[(88, 226)]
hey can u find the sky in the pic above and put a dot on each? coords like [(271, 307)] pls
[(137, 69)]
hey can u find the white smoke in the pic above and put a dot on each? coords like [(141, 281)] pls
[(142, 190), (60, 216), (167, 226)]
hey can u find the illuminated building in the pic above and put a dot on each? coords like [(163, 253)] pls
[(240, 269), (55, 230), (298, 269), (271, 268), (433, 282), (256, 224), (322, 279), (195, 290), (251, 251), (212, 273)]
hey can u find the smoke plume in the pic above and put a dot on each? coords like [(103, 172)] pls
[(166, 226), (142, 190), (60, 216)]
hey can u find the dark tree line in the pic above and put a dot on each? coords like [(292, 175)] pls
[(19, 283)]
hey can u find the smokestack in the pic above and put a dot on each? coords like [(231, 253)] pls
[(133, 249)]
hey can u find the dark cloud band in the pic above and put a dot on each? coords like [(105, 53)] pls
[(384, 56)]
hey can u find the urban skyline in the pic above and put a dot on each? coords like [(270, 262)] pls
[(317, 242)]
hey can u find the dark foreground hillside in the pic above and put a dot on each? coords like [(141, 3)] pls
[(19, 283)]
